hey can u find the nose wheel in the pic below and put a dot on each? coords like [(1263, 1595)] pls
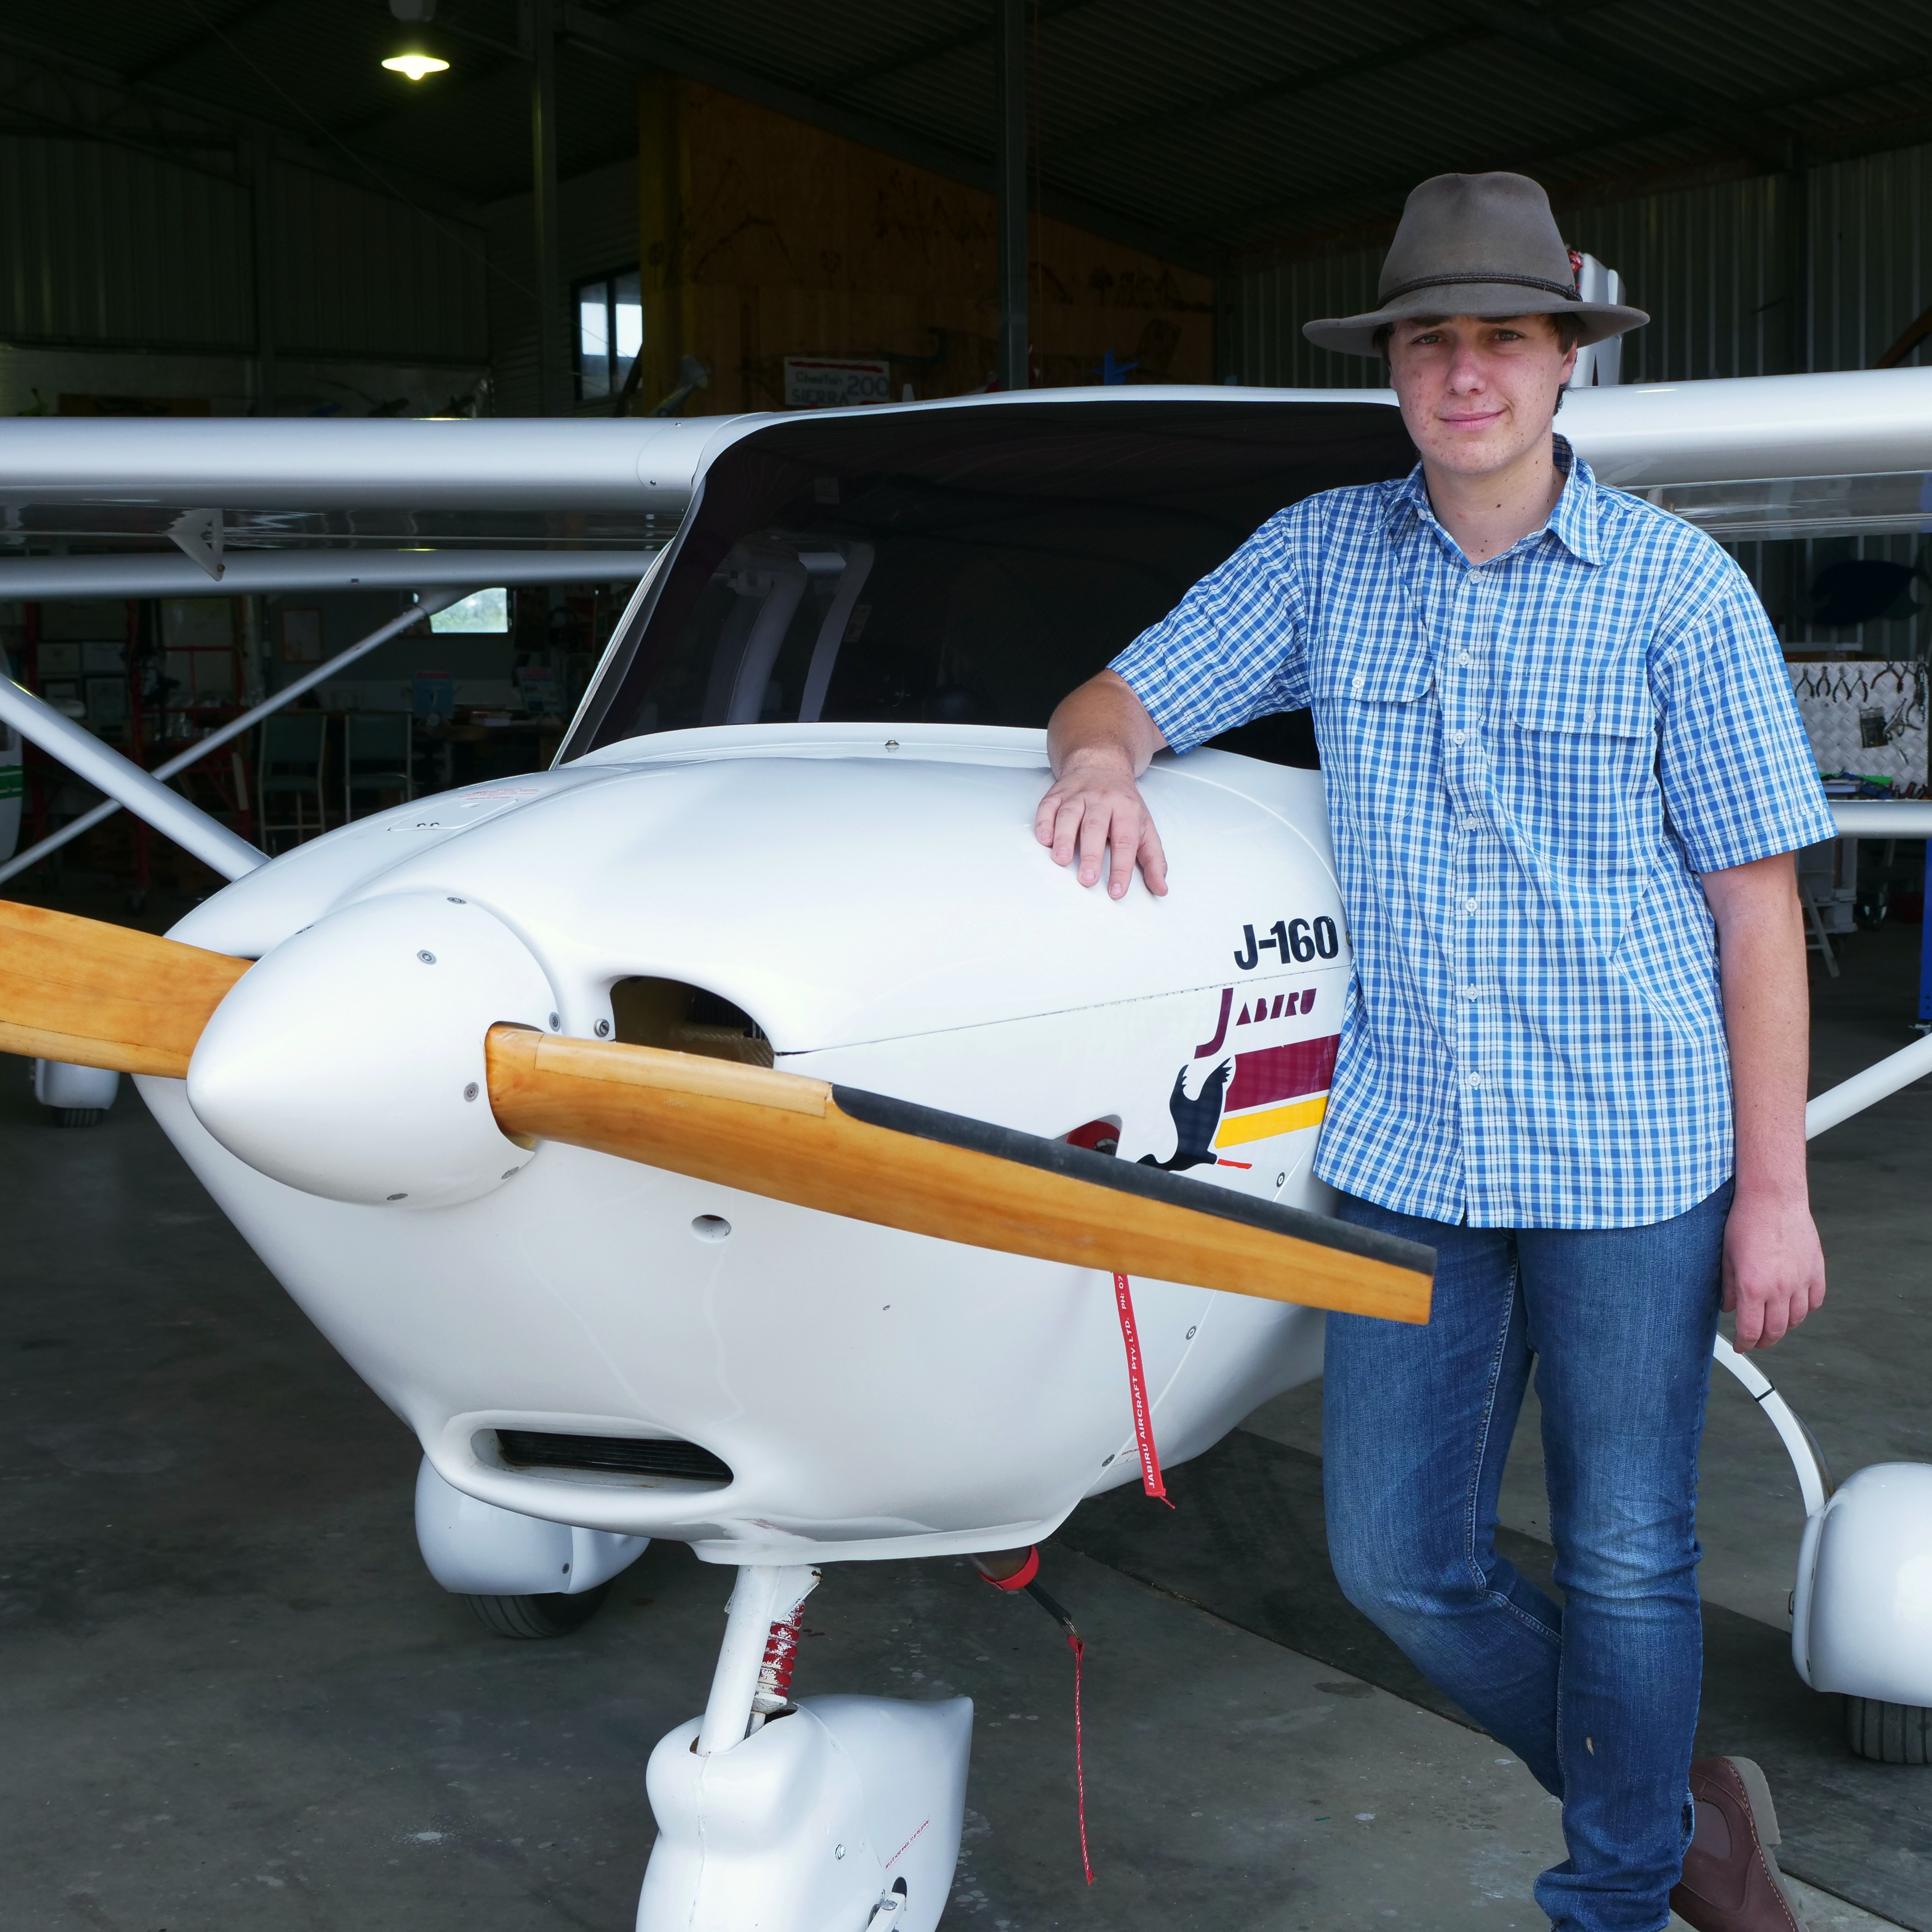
[(1888, 1733), (549, 1615)]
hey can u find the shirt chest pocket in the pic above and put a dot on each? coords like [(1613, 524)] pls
[(1349, 680), (1372, 712), (1565, 705)]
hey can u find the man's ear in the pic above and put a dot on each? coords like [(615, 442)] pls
[(1567, 369)]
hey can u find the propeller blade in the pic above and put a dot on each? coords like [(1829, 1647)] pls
[(870, 1158), (92, 994)]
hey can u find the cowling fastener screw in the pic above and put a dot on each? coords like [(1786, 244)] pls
[(603, 1029), (470, 1092), (428, 959)]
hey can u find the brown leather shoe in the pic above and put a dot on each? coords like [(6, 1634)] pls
[(1731, 1882)]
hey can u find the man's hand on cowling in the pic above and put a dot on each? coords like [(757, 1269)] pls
[(1100, 739), (1095, 810)]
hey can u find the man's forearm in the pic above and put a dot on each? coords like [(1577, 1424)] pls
[(1774, 1272), (1767, 1020), (1103, 720)]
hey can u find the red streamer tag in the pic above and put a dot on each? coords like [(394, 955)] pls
[(1075, 1644), (1150, 1481)]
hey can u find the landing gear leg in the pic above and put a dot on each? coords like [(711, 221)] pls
[(753, 1679), (838, 1814)]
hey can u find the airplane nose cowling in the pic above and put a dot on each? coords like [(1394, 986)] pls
[(349, 1062)]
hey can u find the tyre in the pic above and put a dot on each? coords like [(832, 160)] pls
[(77, 1117), (1891, 1733), (554, 1616)]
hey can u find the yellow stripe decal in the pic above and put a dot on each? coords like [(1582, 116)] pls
[(1272, 1120)]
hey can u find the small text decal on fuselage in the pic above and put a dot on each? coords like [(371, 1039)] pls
[(1292, 940)]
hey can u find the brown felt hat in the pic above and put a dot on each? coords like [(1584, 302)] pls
[(1474, 245)]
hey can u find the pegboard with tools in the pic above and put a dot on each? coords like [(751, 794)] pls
[(1866, 717)]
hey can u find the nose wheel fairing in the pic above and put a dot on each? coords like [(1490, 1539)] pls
[(837, 1814)]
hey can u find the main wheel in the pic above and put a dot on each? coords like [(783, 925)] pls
[(1891, 1733), (77, 1117), (553, 1615)]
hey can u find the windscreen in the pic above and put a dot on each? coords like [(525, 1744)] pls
[(968, 566)]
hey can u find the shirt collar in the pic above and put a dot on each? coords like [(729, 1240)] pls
[(1573, 523)]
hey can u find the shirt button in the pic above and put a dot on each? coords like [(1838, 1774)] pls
[(1469, 992), (1473, 1080), (1589, 718), (1469, 905), (1355, 688), (1466, 660), (1456, 737)]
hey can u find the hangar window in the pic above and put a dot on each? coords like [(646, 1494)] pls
[(963, 565), (610, 331)]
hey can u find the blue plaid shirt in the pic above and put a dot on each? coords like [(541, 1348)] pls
[(1529, 761)]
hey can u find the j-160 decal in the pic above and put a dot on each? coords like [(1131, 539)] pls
[(1295, 941)]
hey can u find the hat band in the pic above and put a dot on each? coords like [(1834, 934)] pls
[(1463, 279)]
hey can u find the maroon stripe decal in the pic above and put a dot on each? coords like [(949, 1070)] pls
[(1282, 1073)]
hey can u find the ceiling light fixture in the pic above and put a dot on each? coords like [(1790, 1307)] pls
[(413, 61), (416, 65)]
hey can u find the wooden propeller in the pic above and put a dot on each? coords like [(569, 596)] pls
[(92, 994), (97, 995)]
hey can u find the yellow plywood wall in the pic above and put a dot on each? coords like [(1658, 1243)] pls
[(764, 238)]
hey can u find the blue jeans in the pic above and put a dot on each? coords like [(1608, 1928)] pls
[(1599, 1698)]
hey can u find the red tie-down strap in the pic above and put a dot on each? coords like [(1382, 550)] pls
[(1027, 1578), (1077, 1644), (1150, 1480)]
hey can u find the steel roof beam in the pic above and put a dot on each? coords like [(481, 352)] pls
[(1285, 89), (1288, 86), (1543, 34), (1852, 141), (210, 34), (602, 34), (1521, 161), (348, 165), (947, 43)]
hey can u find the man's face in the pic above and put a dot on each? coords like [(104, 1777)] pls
[(1477, 392)]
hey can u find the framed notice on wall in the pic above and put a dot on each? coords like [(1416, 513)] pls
[(301, 636), (836, 381)]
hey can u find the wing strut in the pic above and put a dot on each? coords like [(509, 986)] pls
[(146, 794)]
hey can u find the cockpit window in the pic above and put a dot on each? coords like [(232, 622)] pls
[(961, 566)]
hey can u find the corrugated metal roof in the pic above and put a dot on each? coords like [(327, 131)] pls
[(1231, 124)]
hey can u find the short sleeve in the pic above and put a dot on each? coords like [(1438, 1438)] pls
[(1738, 779), (1233, 649)]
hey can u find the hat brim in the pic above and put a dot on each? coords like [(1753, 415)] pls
[(1355, 335)]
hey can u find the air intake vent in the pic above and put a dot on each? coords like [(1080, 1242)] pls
[(611, 1455)]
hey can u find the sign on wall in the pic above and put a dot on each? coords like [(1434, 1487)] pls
[(836, 382)]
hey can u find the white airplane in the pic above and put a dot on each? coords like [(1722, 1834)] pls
[(727, 1134)]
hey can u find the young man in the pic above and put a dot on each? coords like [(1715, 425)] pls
[(1565, 777)]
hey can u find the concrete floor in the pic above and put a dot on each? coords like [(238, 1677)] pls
[(232, 1697)]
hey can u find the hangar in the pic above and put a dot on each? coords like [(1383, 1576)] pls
[(240, 1695)]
